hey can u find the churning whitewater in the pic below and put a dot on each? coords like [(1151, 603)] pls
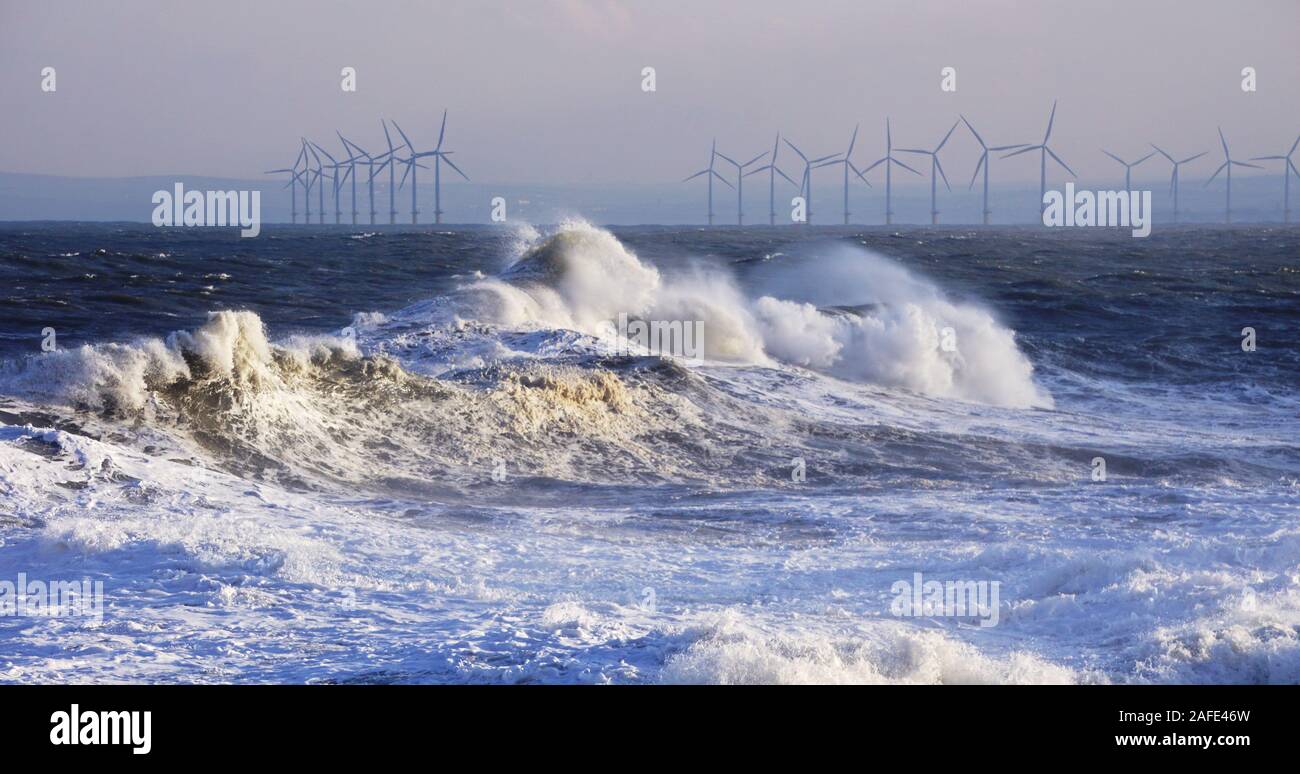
[(481, 483)]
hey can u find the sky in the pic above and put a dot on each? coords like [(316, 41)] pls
[(550, 91)]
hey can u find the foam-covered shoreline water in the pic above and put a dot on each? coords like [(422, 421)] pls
[(327, 500)]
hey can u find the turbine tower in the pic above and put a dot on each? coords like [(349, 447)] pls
[(709, 171), (359, 153), (1044, 152), (935, 166), (984, 163), (294, 175), (772, 171), (848, 165), (389, 158), (351, 161), (887, 160), (412, 162), (311, 147), (1173, 179), (1228, 164), (307, 181), (1287, 168), (740, 183), (1128, 167), (808, 167), (333, 165)]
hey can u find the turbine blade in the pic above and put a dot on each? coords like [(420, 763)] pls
[(1006, 147), (726, 158), (1193, 158), (327, 153), (913, 150), (904, 166), (796, 150), (453, 166), (443, 131), (1267, 158), (946, 136), (1224, 141), (387, 136), (1161, 151), (983, 159), (1025, 149), (1113, 156), (860, 175), (1050, 120), (823, 158), (1058, 161), (404, 137), (723, 180), (697, 174), (1222, 167), (1144, 158), (1244, 164), (756, 158), (939, 167), (876, 164), (787, 177), (978, 139), (852, 140)]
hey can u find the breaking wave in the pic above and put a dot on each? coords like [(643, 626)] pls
[(310, 409), (886, 326)]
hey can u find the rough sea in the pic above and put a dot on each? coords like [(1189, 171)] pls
[(360, 454)]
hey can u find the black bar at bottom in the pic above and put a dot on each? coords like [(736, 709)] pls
[(236, 724)]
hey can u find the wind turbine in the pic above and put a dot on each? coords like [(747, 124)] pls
[(437, 170), (1228, 164), (359, 153), (808, 167), (1128, 167), (389, 159), (935, 166), (1287, 169), (351, 161), (309, 145), (333, 165), (740, 183), (772, 171), (889, 180), (294, 174), (1173, 179), (1044, 152), (848, 164), (439, 158), (709, 171), (984, 162)]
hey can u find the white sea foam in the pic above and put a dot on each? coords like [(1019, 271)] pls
[(582, 277), (301, 508)]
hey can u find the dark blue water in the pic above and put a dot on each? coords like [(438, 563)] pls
[(1168, 308)]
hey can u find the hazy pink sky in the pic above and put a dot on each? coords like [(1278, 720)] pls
[(550, 91)]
